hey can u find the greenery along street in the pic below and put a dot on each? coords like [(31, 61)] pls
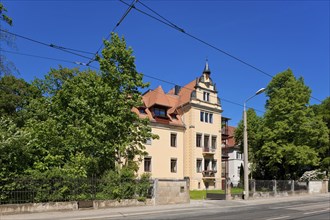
[(201, 194), (292, 136), (74, 124)]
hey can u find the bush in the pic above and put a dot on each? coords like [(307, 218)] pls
[(122, 184)]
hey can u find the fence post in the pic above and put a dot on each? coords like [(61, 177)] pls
[(155, 190), (308, 188), (274, 187), (253, 186), (292, 187)]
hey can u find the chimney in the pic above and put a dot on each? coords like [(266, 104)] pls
[(177, 89)]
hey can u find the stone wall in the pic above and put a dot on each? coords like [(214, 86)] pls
[(315, 187), (38, 207), (97, 204), (69, 206), (171, 191), (165, 192)]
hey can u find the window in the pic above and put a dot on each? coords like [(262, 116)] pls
[(214, 142), (238, 155), (199, 165), (147, 164), (206, 96), (202, 116), (238, 171), (173, 165), (160, 112), (206, 141), (198, 140), (206, 117), (148, 141), (173, 140), (214, 165), (142, 110)]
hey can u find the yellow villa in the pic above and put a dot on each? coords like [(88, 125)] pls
[(188, 122)]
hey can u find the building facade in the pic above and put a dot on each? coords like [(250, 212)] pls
[(188, 122)]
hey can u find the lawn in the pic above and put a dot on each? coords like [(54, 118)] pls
[(201, 194)]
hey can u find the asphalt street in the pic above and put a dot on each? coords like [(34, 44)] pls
[(300, 207)]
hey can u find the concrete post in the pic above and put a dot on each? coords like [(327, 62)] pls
[(274, 187), (155, 191), (292, 187), (228, 189), (253, 186), (325, 185)]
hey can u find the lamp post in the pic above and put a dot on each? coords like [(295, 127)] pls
[(246, 162)]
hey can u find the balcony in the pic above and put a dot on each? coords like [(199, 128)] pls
[(208, 151), (209, 174)]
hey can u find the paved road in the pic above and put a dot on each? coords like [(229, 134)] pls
[(300, 208)]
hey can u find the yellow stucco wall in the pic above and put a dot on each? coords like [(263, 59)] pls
[(161, 153)]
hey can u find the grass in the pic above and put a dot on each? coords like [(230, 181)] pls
[(201, 194)]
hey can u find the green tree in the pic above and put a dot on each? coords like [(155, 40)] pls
[(254, 130), (323, 111), (15, 96), (90, 114), (292, 133), (3, 16), (83, 124), (119, 72), (15, 155)]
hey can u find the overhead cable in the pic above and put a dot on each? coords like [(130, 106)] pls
[(47, 58), (67, 50), (165, 21), (114, 28)]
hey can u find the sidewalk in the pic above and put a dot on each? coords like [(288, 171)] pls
[(112, 213)]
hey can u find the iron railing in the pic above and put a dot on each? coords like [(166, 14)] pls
[(26, 190)]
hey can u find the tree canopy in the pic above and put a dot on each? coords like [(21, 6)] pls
[(291, 137), (75, 123)]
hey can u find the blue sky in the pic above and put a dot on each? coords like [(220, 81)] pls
[(269, 35)]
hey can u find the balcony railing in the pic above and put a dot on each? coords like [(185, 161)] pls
[(209, 174), (207, 150)]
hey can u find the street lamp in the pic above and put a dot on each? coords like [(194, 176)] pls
[(246, 162)]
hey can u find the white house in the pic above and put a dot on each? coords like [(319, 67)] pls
[(235, 157)]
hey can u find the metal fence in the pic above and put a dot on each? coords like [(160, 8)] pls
[(27, 190), (277, 186)]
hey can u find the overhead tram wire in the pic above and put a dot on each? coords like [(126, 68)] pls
[(148, 76), (113, 29), (172, 25), (64, 49), (47, 58)]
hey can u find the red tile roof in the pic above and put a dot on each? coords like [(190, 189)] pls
[(156, 97), (169, 101)]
